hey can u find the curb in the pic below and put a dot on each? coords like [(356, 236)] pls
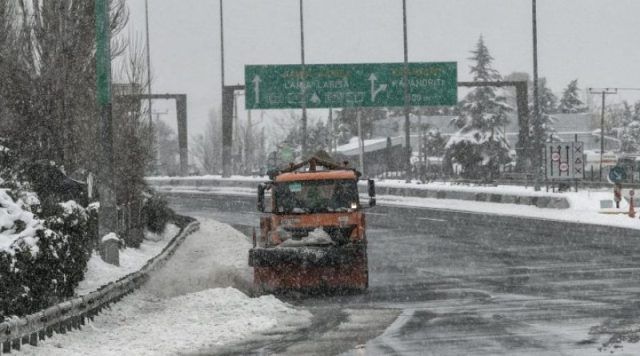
[(72, 314)]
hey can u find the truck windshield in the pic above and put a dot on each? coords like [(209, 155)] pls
[(316, 196)]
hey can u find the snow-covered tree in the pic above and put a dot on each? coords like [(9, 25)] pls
[(630, 131), (570, 101), (479, 145)]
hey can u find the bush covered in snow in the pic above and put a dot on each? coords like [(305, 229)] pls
[(156, 213), (41, 259)]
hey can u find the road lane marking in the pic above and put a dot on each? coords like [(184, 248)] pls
[(433, 219)]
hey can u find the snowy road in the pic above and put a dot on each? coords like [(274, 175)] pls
[(466, 283)]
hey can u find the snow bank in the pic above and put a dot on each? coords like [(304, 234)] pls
[(213, 257), (583, 209), (143, 324), (100, 273)]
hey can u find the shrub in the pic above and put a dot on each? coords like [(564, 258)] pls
[(156, 213), (41, 261)]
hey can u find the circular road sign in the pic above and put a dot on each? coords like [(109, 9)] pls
[(617, 174), (564, 167), (632, 192), (555, 156)]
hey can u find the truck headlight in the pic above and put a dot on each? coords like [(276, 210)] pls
[(354, 205)]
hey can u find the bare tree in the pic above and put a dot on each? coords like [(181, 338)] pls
[(53, 79), (207, 148)]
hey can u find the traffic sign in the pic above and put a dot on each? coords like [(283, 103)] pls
[(564, 160), (617, 174), (350, 85)]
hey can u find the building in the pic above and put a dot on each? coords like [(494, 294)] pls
[(566, 127)]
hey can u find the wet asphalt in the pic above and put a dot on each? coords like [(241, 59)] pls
[(455, 283)]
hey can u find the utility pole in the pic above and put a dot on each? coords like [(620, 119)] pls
[(107, 215), (604, 92), (405, 80), (304, 86), (537, 131)]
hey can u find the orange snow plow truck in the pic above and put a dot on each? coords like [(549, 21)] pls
[(313, 239)]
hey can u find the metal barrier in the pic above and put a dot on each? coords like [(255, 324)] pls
[(72, 314)]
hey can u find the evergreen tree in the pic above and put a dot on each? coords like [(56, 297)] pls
[(630, 132), (570, 102), (480, 145)]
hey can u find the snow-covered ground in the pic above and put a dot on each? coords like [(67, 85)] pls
[(584, 205), (189, 305), (100, 273), (145, 324)]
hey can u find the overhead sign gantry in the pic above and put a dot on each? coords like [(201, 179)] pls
[(350, 85)]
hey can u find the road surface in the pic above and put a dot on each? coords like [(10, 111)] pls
[(455, 283)]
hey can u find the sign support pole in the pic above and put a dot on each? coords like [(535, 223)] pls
[(405, 82), (107, 215), (303, 139), (360, 139)]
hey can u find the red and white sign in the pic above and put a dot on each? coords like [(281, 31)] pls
[(564, 167), (555, 156)]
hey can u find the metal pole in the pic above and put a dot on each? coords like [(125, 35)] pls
[(151, 131), (146, 17), (107, 215), (226, 126), (221, 47), (602, 134), (304, 89), (330, 130), (537, 149), (603, 92), (405, 75), (360, 139)]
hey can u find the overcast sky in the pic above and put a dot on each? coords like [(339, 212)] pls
[(596, 41)]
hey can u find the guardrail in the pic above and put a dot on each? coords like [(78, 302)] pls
[(547, 201), (72, 314)]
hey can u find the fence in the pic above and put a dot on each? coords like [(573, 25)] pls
[(72, 314)]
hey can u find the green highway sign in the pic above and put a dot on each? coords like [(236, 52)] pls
[(349, 85)]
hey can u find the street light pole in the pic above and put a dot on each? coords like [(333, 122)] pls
[(537, 146), (303, 139), (148, 50), (405, 75), (146, 18)]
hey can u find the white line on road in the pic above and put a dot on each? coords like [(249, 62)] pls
[(381, 214), (432, 219)]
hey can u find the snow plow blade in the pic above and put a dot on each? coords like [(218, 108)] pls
[(310, 269)]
